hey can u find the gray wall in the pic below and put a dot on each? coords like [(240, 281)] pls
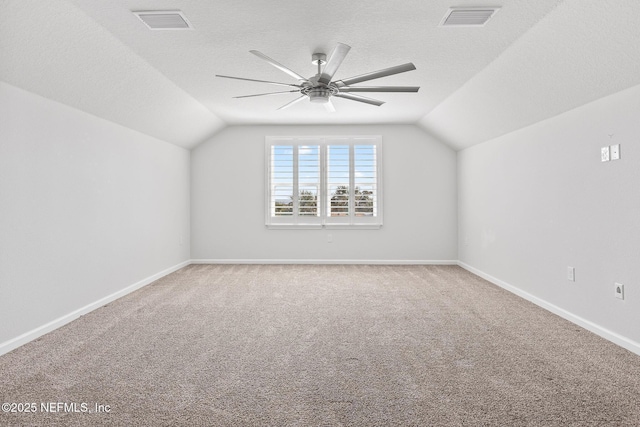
[(536, 201), (87, 208), (227, 200)]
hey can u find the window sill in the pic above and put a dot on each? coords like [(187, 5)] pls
[(326, 226), (353, 226), (294, 226)]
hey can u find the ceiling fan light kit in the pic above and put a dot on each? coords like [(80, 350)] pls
[(319, 94), (321, 87)]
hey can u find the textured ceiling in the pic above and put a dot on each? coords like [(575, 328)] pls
[(531, 61)]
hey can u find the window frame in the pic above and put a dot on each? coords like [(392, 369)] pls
[(323, 219)]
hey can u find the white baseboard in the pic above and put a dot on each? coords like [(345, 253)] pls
[(615, 338), (326, 261), (16, 342)]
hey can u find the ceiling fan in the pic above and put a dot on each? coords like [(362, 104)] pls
[(321, 87)]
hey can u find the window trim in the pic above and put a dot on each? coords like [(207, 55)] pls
[(323, 221)]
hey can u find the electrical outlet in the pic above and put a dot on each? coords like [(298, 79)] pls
[(619, 290), (604, 154), (571, 274), (615, 152)]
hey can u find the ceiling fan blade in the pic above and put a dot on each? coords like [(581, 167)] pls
[(329, 107), (379, 88), (295, 101), (268, 93), (376, 74), (279, 66), (332, 65), (259, 81), (359, 98)]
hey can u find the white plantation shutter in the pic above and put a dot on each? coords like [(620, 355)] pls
[(324, 181), (308, 180), (281, 203), (294, 180), (365, 180), (353, 182), (338, 181)]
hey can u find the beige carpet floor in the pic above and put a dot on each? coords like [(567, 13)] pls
[(322, 345)]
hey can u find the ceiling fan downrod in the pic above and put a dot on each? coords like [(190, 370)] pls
[(319, 59)]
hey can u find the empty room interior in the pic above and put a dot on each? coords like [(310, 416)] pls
[(301, 213)]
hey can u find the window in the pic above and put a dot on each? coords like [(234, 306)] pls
[(315, 182)]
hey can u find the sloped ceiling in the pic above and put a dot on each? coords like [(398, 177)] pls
[(532, 61)]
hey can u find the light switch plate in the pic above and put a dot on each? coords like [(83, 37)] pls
[(604, 154), (614, 152), (619, 287), (571, 274)]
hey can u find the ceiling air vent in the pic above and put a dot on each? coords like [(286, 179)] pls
[(164, 19), (468, 16)]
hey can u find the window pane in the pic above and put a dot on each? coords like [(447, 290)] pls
[(365, 180), (308, 180), (338, 180), (308, 201), (281, 180)]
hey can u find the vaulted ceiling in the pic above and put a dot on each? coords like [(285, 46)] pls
[(531, 61)]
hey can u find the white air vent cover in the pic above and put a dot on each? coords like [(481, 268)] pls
[(164, 19), (468, 16)]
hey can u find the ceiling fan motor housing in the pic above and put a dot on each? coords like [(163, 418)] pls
[(319, 94)]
